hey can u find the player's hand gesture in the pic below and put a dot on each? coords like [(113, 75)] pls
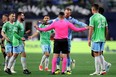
[(89, 43), (7, 39), (30, 37), (35, 26), (23, 39)]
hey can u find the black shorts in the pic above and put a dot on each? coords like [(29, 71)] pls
[(60, 45)]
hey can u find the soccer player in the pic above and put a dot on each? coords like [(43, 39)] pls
[(4, 20), (101, 10), (18, 44), (107, 64), (60, 40), (97, 35), (45, 43), (7, 33), (74, 21)]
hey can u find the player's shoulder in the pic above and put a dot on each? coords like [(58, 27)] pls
[(40, 25), (103, 16), (93, 17), (6, 23)]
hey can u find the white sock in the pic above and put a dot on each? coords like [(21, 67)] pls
[(43, 59), (6, 61), (68, 68), (102, 60), (12, 68), (58, 67), (46, 62), (23, 62), (11, 61), (97, 64)]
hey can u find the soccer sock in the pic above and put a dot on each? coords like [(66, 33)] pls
[(106, 63), (43, 59), (12, 68), (11, 61), (6, 61), (46, 62), (23, 62), (97, 65), (54, 60), (64, 64), (68, 63), (58, 63), (102, 61), (4, 54)]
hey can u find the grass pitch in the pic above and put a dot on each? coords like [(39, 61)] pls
[(80, 52)]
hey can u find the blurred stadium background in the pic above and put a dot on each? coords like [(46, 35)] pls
[(35, 10)]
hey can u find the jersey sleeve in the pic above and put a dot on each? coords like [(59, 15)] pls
[(51, 21), (15, 31), (91, 22), (72, 27), (50, 27), (75, 21), (4, 27), (106, 23)]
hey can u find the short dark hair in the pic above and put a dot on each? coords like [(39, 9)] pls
[(5, 15), (11, 13), (61, 13), (19, 13), (101, 10), (46, 15), (68, 9), (96, 6)]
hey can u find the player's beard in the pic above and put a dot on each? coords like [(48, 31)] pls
[(22, 19), (44, 22)]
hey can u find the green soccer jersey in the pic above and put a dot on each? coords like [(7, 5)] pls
[(8, 30), (45, 36), (98, 22), (18, 34)]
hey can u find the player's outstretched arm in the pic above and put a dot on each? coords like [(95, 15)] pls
[(79, 23), (33, 35), (46, 28), (71, 26)]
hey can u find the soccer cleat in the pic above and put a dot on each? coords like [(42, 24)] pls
[(68, 72), (63, 73), (53, 73), (73, 63), (57, 71), (95, 73), (107, 67), (102, 72), (13, 71), (41, 68), (46, 69), (5, 68), (26, 71), (8, 71)]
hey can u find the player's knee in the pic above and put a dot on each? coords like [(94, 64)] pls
[(47, 54), (23, 54)]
